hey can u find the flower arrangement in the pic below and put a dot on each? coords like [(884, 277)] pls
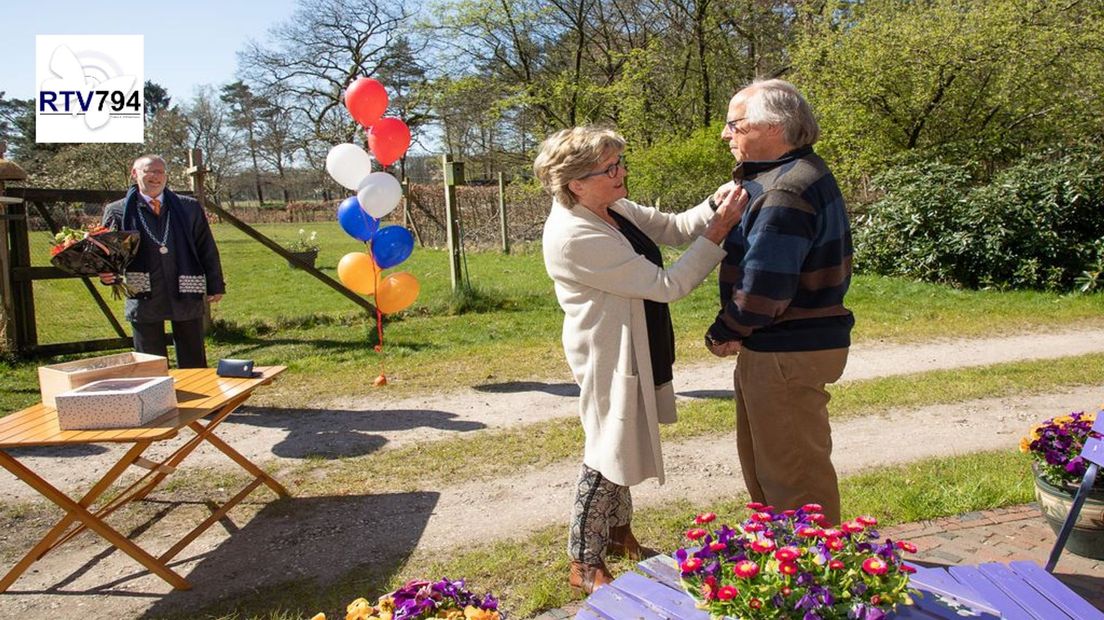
[(793, 565), (1056, 444), (421, 600), (94, 250), (305, 242)]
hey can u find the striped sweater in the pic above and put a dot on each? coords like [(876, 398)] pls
[(789, 260)]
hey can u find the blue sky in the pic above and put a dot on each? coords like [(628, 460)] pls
[(186, 43)]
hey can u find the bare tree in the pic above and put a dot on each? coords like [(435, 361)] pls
[(319, 51)]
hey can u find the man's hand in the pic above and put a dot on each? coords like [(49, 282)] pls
[(107, 279), (722, 349), (214, 298)]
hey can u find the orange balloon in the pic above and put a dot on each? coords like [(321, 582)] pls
[(396, 292), (358, 272)]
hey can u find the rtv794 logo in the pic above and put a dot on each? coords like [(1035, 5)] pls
[(82, 102)]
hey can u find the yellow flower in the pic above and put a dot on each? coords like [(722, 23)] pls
[(359, 609), (473, 613), (451, 614), (1025, 444), (319, 617)]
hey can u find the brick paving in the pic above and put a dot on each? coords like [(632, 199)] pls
[(1001, 535)]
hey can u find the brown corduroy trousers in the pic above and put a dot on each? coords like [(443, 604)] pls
[(783, 435)]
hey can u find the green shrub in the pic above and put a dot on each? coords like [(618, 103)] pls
[(679, 172), (1037, 224)]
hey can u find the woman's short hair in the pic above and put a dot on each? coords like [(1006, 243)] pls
[(777, 102), (570, 154)]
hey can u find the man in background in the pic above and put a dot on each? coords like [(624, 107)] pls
[(177, 268), (782, 288)]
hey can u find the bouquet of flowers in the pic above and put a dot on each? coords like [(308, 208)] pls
[(419, 600), (792, 565), (1056, 444), (95, 250)]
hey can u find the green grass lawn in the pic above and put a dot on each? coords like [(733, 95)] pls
[(507, 329)]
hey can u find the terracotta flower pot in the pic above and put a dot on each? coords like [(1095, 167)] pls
[(307, 257), (1087, 537)]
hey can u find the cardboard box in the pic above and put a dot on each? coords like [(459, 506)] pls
[(58, 378), (116, 403)]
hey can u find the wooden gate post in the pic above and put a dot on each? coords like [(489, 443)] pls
[(454, 175), (502, 213), (10, 329)]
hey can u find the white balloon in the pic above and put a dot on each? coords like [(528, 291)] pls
[(348, 164), (379, 193)]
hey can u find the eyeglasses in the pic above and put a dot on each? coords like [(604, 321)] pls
[(732, 127), (611, 170)]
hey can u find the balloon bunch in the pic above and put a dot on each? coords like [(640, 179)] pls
[(377, 194)]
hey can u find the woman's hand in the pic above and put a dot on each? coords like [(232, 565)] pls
[(728, 214)]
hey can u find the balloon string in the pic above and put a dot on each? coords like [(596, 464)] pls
[(382, 379)]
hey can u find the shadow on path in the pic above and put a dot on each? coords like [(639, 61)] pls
[(314, 539), (514, 387), (339, 433)]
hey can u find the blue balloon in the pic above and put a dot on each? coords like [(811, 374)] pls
[(355, 221), (391, 246)]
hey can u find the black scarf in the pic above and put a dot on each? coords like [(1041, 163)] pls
[(190, 276)]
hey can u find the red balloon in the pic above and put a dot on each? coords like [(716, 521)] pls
[(388, 139), (366, 100)]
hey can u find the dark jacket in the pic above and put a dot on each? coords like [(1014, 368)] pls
[(789, 260), (169, 286)]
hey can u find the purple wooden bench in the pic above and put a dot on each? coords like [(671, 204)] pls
[(1019, 590)]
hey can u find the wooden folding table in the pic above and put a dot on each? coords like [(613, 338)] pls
[(204, 401)]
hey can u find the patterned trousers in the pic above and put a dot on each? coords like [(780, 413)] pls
[(599, 505)]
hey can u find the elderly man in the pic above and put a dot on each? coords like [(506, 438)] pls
[(782, 288), (177, 266)]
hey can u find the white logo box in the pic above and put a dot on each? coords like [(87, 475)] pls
[(116, 403)]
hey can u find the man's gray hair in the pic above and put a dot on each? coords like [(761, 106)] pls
[(777, 102), (149, 157)]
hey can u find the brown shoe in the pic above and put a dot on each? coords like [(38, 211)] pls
[(588, 577), (623, 543)]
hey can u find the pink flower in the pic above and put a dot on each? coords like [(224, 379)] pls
[(832, 533), (851, 527), (906, 569), (787, 554), (754, 527), (818, 518), (695, 533), (756, 506), (876, 600), (767, 534), (709, 588), (762, 517), (905, 545), (691, 565), (812, 508), (875, 566), (727, 593), (763, 546), (835, 544), (787, 568), (789, 513), (755, 603), (716, 546), (786, 591), (808, 531), (705, 517), (745, 569), (867, 520), (835, 564)]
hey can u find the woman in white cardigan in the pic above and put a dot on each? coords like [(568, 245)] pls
[(601, 252)]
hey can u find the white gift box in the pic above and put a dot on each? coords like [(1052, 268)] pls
[(58, 378), (115, 403)]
